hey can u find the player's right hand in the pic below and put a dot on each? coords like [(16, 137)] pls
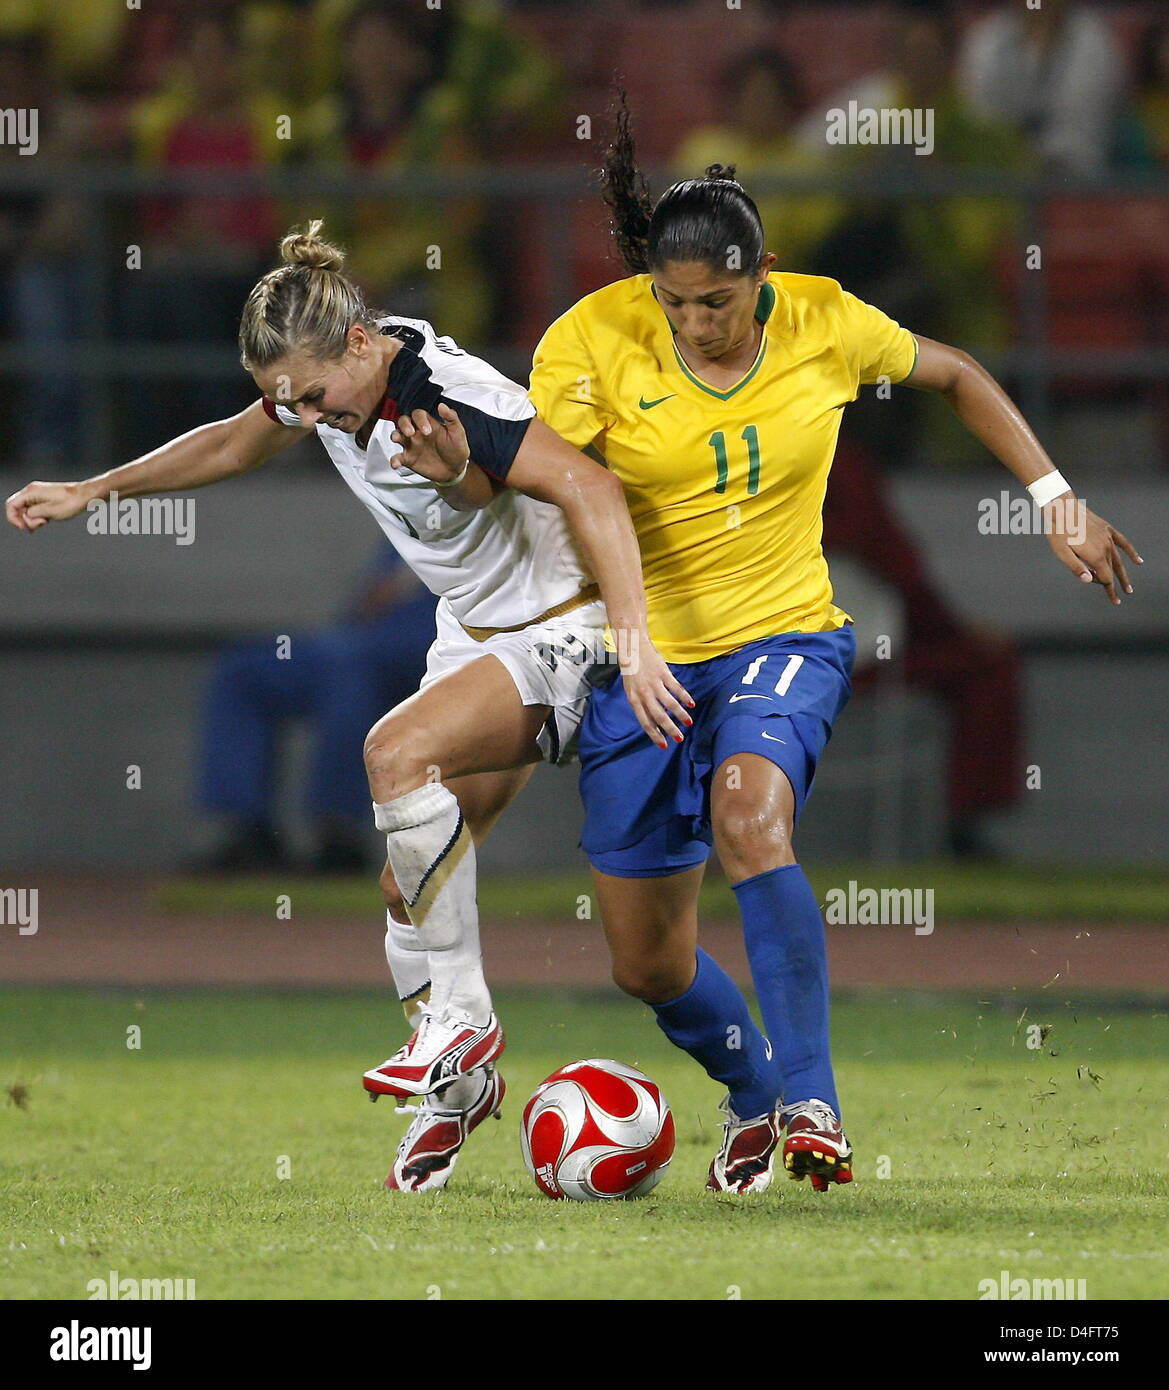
[(36, 504), (655, 695), (434, 448)]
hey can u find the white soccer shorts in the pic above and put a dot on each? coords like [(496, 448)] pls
[(554, 663)]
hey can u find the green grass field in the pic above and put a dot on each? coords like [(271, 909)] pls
[(975, 891), (164, 1162)]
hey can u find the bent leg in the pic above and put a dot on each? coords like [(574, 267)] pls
[(482, 797), (472, 721), (651, 925), (753, 811)]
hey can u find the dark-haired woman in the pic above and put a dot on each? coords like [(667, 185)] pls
[(713, 387)]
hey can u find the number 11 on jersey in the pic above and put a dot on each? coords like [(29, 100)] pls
[(718, 442)]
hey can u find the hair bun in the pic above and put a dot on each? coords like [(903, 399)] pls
[(309, 250), (724, 172)]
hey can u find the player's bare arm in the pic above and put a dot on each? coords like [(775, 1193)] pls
[(549, 469), (593, 501), (438, 449), (198, 458), (1094, 555)]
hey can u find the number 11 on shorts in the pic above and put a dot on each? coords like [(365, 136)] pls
[(783, 684)]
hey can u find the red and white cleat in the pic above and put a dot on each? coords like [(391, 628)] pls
[(816, 1146), (430, 1147), (438, 1053), (743, 1163)]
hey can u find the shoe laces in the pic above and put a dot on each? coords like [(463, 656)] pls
[(428, 1105), (432, 1104), (819, 1112), (434, 1032), (732, 1120)]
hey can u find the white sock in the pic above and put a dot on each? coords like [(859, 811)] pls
[(410, 967), (433, 858)]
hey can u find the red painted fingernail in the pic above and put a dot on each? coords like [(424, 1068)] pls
[(661, 745)]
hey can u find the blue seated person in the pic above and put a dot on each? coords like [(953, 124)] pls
[(343, 679)]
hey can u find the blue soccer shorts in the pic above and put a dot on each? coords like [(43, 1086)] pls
[(647, 810)]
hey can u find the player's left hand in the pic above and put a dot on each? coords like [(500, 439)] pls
[(1089, 546), (435, 449)]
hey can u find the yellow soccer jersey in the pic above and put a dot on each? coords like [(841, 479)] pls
[(726, 488)]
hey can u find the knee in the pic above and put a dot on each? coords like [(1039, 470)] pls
[(750, 835), (391, 760), (652, 981)]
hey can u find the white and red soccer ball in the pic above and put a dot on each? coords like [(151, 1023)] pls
[(597, 1130)]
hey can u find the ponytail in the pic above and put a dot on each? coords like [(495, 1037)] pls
[(625, 191), (711, 219)]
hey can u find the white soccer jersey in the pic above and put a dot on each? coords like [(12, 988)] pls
[(497, 567)]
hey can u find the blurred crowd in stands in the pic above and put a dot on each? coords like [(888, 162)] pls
[(396, 85)]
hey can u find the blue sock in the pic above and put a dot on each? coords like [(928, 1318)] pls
[(712, 1023), (784, 935)]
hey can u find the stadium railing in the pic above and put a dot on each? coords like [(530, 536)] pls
[(1044, 351)]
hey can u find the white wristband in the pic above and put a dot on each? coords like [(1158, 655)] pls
[(454, 482), (1048, 488)]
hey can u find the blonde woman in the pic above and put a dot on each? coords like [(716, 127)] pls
[(527, 551)]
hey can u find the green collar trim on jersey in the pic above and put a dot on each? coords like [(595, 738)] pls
[(738, 386)]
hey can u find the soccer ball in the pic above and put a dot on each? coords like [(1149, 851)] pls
[(596, 1130)]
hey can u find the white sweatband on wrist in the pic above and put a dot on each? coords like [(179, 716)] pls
[(454, 482), (1048, 488)]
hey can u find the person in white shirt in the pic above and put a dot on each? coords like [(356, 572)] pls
[(530, 552), (1055, 73)]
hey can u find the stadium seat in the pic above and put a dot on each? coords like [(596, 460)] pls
[(1106, 275)]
